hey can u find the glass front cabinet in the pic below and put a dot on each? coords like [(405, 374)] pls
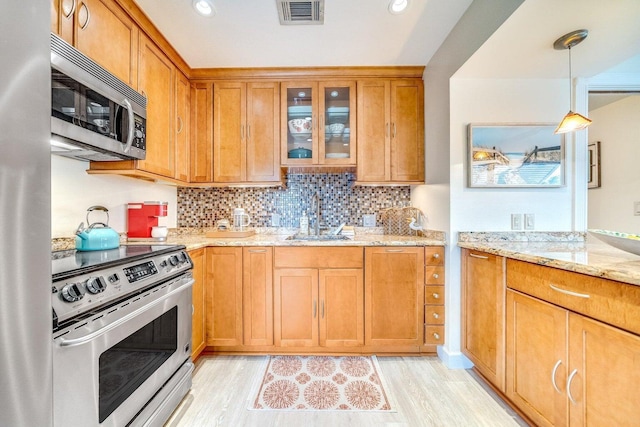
[(320, 123)]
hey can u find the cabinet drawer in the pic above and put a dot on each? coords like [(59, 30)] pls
[(434, 255), (434, 294), (434, 275), (434, 334), (602, 299), (434, 314), (319, 257)]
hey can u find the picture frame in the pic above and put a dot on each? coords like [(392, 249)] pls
[(593, 173), (505, 155)]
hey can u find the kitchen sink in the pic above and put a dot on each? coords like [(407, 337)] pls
[(315, 237)]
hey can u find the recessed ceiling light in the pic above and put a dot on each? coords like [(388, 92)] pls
[(204, 7), (398, 6)]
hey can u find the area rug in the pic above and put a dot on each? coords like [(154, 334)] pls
[(349, 383)]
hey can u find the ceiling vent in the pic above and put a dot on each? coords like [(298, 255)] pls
[(301, 12)]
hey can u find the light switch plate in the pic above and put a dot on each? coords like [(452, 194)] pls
[(529, 221), (369, 220), (516, 221)]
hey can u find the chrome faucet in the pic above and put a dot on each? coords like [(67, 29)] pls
[(315, 205)]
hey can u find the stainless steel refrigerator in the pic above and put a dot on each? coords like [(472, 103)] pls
[(25, 214)]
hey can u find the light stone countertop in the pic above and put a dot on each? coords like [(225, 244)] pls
[(194, 238), (572, 252)]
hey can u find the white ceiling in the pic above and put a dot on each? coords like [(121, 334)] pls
[(523, 46), (247, 33)]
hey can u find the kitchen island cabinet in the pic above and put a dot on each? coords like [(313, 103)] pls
[(319, 303), (483, 299), (565, 364), (394, 297)]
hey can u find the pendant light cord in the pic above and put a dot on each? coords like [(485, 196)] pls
[(570, 83)]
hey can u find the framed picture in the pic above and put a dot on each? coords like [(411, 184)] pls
[(594, 165), (515, 155)]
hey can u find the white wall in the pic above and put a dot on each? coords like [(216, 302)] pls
[(617, 127), (73, 191)]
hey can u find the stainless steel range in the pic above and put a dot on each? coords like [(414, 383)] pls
[(121, 335)]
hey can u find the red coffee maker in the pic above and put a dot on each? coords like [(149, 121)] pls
[(142, 217)]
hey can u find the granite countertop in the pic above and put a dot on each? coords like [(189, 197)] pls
[(567, 251), (196, 238)]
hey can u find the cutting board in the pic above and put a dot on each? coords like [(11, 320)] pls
[(230, 234)]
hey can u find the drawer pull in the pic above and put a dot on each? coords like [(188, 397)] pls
[(478, 256), (553, 375), (573, 374), (394, 250), (436, 335), (436, 256), (257, 251), (436, 295), (435, 275), (572, 293), (436, 316)]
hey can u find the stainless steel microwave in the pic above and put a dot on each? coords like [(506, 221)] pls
[(94, 115)]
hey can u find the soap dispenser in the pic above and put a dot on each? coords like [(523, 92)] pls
[(304, 223)]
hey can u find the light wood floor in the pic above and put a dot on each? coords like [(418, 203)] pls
[(423, 391)]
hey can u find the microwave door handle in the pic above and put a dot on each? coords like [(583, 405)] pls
[(132, 125)]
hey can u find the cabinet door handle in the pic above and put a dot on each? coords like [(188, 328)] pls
[(573, 374), (241, 132), (180, 124), (86, 22), (394, 130), (567, 292), (69, 11), (553, 375), (315, 308), (322, 309), (394, 250), (257, 251), (471, 254), (248, 132), (387, 129)]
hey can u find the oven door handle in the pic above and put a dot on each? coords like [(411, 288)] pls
[(89, 337)]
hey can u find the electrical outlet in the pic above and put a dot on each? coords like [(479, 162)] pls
[(369, 220), (529, 221), (516, 221), (275, 220), (636, 208)]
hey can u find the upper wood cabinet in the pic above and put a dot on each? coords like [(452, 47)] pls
[(246, 132), (390, 131), (394, 297), (483, 295), (318, 123), (201, 147), (182, 127), (103, 31)]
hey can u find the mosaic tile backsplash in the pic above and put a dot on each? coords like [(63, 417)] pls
[(340, 201)]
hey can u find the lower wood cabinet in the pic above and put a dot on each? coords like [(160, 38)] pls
[(433, 298), (257, 296), (394, 297), (197, 325), (223, 296), (483, 295), (320, 305)]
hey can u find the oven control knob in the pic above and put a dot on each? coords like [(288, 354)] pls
[(95, 285), (72, 292), (173, 260)]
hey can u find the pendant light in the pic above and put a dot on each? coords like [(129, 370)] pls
[(572, 121)]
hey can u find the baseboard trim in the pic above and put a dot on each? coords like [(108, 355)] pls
[(454, 360)]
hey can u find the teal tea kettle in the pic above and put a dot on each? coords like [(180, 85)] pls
[(98, 236)]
